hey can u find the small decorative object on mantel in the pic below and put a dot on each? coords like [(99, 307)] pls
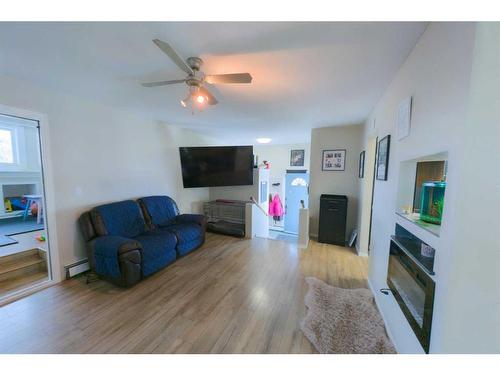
[(404, 118), (333, 160), (361, 172), (407, 209), (297, 158), (383, 158)]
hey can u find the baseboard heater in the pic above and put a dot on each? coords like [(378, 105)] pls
[(76, 268)]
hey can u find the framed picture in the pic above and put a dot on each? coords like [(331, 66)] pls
[(361, 172), (297, 158), (333, 160), (383, 158), (404, 118)]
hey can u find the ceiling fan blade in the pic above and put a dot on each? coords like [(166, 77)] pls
[(229, 78), (163, 83), (170, 52), (211, 99)]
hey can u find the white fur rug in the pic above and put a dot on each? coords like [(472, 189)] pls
[(343, 321)]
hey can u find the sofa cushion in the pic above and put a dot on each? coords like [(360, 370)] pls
[(185, 232), (192, 218), (119, 219), (186, 247), (189, 236), (158, 250), (159, 210)]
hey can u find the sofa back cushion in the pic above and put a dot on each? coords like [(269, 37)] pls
[(119, 219), (87, 226), (159, 210)]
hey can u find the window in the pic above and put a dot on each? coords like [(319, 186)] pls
[(299, 182), (6, 147)]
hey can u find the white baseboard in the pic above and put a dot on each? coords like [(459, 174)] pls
[(26, 292), (360, 253), (387, 327), (303, 245), (77, 268)]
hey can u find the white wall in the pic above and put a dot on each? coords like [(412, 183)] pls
[(345, 182), (437, 75), (100, 155), (279, 157), (470, 320)]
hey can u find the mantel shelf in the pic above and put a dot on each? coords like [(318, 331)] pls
[(415, 219)]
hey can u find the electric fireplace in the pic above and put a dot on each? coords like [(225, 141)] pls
[(413, 288)]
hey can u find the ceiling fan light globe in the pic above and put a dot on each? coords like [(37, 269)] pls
[(263, 140), (200, 99)]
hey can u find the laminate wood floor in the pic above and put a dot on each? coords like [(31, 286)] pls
[(230, 296)]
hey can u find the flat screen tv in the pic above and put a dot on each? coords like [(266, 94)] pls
[(216, 166)]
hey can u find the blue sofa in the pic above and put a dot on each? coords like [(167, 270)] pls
[(130, 240)]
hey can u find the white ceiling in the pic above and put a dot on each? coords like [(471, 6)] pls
[(305, 75)]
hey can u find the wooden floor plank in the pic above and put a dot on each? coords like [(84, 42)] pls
[(230, 296)]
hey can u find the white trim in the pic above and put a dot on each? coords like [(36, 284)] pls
[(54, 258), (17, 122), (360, 253), (387, 327), (402, 336), (9, 298), (367, 187), (76, 268)]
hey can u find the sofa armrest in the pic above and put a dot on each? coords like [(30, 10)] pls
[(116, 258), (192, 218)]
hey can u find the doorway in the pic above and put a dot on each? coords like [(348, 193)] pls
[(296, 197), (24, 249), (367, 192)]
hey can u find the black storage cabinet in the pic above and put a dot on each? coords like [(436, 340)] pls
[(332, 219)]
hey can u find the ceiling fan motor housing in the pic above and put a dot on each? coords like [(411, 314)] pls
[(195, 63), (195, 79), (193, 82)]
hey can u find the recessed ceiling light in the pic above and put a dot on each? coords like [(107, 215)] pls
[(263, 140)]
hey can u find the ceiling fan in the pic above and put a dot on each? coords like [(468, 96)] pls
[(196, 80)]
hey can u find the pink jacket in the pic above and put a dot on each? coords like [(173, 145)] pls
[(275, 206)]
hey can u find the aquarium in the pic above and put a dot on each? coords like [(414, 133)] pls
[(432, 199)]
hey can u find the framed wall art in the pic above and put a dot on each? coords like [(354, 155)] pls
[(333, 160), (383, 158), (361, 172), (297, 158), (404, 118)]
